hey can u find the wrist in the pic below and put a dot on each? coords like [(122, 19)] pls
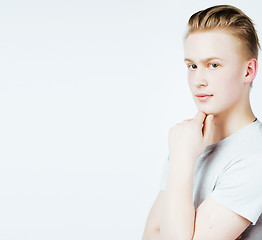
[(180, 175), (181, 163)]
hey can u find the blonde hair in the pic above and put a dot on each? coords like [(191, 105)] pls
[(229, 18)]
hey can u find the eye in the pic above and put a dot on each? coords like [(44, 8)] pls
[(213, 65), (192, 66)]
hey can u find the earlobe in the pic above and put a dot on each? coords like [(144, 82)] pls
[(251, 71)]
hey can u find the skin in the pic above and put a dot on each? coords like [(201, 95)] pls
[(219, 78), (217, 66)]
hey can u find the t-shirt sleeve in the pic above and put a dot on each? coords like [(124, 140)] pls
[(239, 187), (164, 177)]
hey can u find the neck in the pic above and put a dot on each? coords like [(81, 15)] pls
[(228, 123)]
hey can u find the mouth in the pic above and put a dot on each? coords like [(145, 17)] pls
[(202, 97)]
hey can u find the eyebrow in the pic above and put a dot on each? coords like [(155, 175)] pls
[(205, 60)]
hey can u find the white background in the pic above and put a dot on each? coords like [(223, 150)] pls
[(88, 92)]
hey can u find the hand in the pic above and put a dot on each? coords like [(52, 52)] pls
[(187, 140)]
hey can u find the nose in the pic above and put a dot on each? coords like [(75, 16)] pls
[(200, 79)]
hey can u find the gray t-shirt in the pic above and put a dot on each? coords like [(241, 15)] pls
[(230, 172)]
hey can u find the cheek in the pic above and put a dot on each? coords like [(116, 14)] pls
[(230, 85), (190, 80)]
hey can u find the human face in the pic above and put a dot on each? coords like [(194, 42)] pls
[(216, 70)]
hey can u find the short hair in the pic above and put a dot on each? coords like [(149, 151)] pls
[(232, 19)]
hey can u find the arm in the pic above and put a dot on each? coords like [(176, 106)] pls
[(152, 227), (210, 221), (187, 141), (214, 221), (178, 213), (180, 220)]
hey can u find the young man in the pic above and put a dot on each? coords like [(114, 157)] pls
[(212, 185)]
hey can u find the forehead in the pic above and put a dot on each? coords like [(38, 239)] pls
[(215, 43)]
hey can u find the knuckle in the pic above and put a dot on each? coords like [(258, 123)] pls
[(174, 128)]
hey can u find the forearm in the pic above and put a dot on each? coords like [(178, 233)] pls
[(179, 212)]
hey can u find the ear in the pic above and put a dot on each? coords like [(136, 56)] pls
[(251, 71)]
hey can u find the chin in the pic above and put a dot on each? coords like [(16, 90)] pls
[(207, 111)]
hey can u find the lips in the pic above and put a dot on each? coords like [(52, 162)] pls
[(203, 96)]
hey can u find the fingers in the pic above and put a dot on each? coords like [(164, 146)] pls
[(200, 117), (207, 123), (208, 129)]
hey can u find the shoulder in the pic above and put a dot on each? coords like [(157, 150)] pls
[(252, 137), (250, 148), (246, 146)]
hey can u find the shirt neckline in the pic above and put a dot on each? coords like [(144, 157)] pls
[(232, 136)]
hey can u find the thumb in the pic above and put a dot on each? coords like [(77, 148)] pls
[(208, 129)]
